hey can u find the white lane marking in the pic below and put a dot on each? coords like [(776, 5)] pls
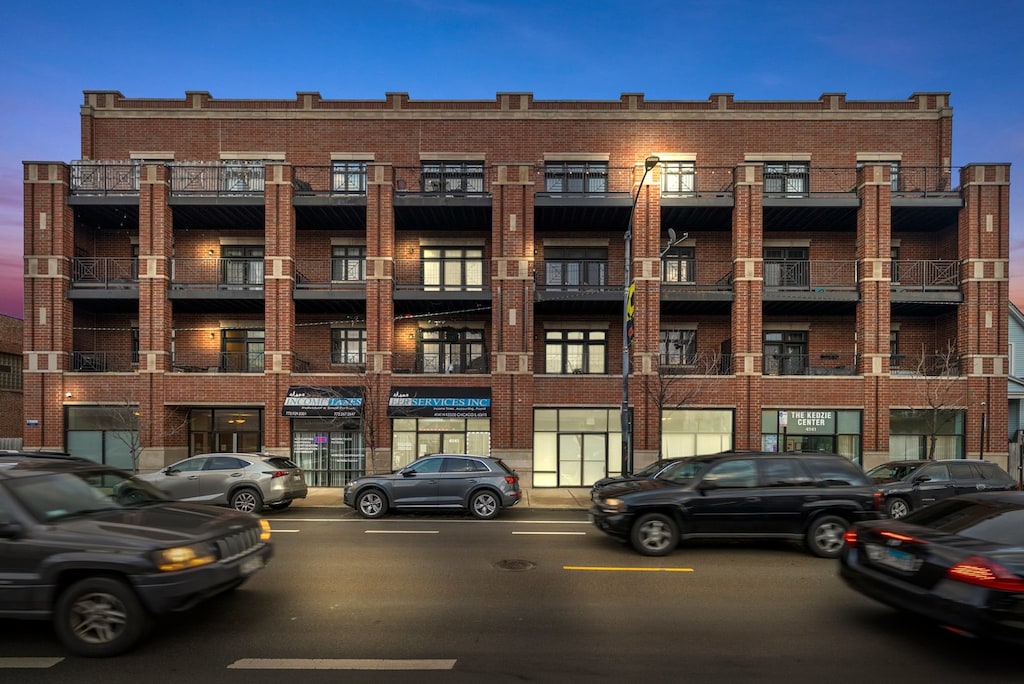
[(28, 663), (339, 664), (457, 522), (274, 530), (401, 531), (551, 533)]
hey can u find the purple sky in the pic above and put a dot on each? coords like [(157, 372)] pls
[(782, 50)]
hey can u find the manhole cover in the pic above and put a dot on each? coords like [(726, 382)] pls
[(515, 565)]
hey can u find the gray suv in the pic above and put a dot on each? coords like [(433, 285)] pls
[(101, 554), (479, 484)]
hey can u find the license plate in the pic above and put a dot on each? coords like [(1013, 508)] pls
[(250, 565), (892, 558)]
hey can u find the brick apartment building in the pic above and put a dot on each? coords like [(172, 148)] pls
[(11, 331), (357, 283)]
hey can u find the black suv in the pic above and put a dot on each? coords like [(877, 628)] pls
[(909, 485), (101, 553), (811, 497)]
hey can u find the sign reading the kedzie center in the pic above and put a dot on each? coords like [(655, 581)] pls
[(810, 422)]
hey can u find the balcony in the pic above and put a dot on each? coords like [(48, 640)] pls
[(104, 178), (200, 284), (337, 284), (925, 365), (102, 362), (448, 279), (704, 363), (690, 283), (436, 364), (104, 278), (809, 364), (703, 204), (330, 197), (217, 362), (443, 196), (214, 194)]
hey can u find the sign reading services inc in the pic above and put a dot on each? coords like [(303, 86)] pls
[(808, 422), (322, 402), (440, 402)]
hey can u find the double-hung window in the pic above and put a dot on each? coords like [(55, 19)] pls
[(678, 178), (348, 346), (679, 266), (678, 348), (791, 179), (451, 350), (348, 177), (348, 263), (242, 350), (453, 268), (242, 267), (785, 352), (575, 351), (576, 177), (575, 267)]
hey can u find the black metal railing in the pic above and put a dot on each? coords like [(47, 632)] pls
[(105, 272), (225, 273), (701, 363), (926, 365), (809, 364), (237, 178), (89, 177), (217, 362), (817, 274), (925, 274), (102, 362), (441, 364), (696, 274)]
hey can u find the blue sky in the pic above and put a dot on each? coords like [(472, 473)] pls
[(473, 49)]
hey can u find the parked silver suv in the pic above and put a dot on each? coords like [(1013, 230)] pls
[(246, 482), (479, 484)]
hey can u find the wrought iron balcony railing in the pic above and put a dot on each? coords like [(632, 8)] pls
[(186, 361), (102, 362), (927, 365), (925, 275), (224, 273), (810, 275), (339, 273), (444, 275), (809, 364), (702, 363), (218, 178), (441, 364), (105, 272), (94, 177), (696, 274)]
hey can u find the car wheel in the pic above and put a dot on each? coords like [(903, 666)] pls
[(280, 505), (371, 503), (247, 500), (897, 508), (825, 536), (484, 505), (654, 534), (100, 616)]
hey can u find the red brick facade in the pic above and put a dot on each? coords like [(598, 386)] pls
[(850, 214)]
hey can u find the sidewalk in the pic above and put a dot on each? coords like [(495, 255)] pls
[(575, 498)]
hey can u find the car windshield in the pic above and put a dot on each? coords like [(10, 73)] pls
[(993, 520), (891, 472), (684, 471), (651, 470), (53, 496)]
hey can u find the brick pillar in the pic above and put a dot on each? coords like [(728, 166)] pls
[(511, 338), (380, 311), (279, 317), (156, 245), (646, 274), (982, 322), (874, 268), (748, 286), (49, 245)]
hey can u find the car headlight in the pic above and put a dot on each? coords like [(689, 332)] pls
[(184, 557), (613, 504), (351, 486)]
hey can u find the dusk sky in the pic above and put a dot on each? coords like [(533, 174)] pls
[(459, 49)]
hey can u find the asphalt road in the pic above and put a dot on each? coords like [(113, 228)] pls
[(538, 596)]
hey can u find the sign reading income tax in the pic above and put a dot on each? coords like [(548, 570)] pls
[(808, 422)]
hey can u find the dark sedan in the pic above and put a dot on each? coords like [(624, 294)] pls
[(959, 562), (910, 485)]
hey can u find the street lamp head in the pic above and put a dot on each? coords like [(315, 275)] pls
[(651, 162)]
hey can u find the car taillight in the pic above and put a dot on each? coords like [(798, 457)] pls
[(850, 537), (276, 473), (511, 479), (984, 573), (879, 500)]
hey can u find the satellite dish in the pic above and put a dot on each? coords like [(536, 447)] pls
[(671, 236)]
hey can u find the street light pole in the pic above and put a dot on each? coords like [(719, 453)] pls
[(627, 318)]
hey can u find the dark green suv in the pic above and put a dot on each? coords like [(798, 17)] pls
[(102, 554)]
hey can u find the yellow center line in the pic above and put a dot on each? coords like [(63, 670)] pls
[(615, 569)]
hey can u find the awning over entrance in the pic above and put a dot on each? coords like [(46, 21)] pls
[(323, 402), (440, 402)]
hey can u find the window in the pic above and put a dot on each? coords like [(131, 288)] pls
[(894, 257), (575, 351), (678, 178), (348, 177), (926, 434), (135, 345), (453, 268), (740, 473), (453, 177), (348, 263), (787, 178), (243, 176), (575, 447), (450, 350), (678, 266), (242, 267), (786, 267), (348, 345), (577, 177), (678, 347), (573, 267), (10, 371), (895, 358), (785, 352), (242, 351)]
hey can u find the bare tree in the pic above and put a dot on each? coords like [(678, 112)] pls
[(673, 386), (944, 391), (130, 427), (374, 388)]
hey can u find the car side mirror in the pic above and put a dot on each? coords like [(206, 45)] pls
[(922, 478), (408, 472), (707, 484), (10, 529)]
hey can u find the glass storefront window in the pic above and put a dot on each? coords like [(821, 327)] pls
[(414, 438)]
